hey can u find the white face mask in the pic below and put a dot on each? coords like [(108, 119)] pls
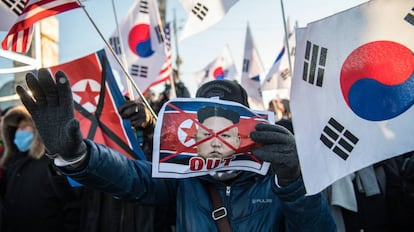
[(23, 139)]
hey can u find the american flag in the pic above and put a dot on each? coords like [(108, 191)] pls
[(20, 34), (166, 70)]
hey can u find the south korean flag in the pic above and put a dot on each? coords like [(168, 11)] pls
[(352, 91)]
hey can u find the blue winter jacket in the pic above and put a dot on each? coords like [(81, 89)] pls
[(253, 202)]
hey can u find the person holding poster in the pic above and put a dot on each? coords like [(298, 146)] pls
[(275, 201)]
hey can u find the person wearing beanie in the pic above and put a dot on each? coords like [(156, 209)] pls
[(35, 198), (248, 201)]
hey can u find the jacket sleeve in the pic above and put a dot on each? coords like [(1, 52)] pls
[(304, 213), (107, 170)]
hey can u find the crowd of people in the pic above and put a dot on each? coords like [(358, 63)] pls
[(53, 179)]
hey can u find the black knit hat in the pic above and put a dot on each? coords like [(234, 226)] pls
[(214, 111), (225, 90)]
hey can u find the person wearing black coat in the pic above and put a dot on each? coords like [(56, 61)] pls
[(34, 196)]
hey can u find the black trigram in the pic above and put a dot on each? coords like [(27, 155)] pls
[(139, 71), (16, 6), (116, 45), (143, 7), (246, 64), (200, 10), (314, 65), (158, 33), (410, 17), (340, 140)]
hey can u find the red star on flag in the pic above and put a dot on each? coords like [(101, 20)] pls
[(88, 95)]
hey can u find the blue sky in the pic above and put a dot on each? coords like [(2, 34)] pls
[(79, 38)]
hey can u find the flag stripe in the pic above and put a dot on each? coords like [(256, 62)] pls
[(410, 18), (16, 7), (326, 141), (332, 134), (29, 18), (315, 50), (340, 153), (345, 145), (19, 41)]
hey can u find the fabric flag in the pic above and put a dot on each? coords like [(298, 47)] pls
[(143, 45), (97, 98), (204, 14), (279, 77), (187, 4), (222, 67), (20, 34), (166, 70), (9, 12), (252, 69), (352, 91)]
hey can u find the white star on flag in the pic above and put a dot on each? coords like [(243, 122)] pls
[(352, 97)]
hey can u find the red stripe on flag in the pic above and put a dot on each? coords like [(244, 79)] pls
[(27, 22), (24, 24)]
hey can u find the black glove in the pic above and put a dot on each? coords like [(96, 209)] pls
[(279, 148), (52, 111), (139, 115)]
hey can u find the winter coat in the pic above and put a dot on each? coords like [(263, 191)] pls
[(34, 196), (253, 202)]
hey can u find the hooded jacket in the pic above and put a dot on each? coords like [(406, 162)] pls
[(35, 198), (253, 202), (9, 126)]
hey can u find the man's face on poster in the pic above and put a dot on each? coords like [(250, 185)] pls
[(215, 146)]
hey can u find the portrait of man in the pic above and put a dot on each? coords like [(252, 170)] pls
[(218, 133)]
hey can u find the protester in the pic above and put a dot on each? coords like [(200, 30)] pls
[(273, 202), (282, 105), (35, 196), (178, 87)]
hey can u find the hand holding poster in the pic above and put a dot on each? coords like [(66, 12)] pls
[(196, 136)]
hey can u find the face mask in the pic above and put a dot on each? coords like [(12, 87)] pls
[(23, 139)]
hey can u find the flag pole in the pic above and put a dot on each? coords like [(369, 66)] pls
[(121, 45), (118, 61), (286, 36)]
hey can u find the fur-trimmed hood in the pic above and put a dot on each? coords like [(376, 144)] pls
[(9, 125)]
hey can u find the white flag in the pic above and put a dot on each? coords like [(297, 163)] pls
[(187, 4), (352, 93), (251, 71), (279, 77), (143, 45), (222, 67), (204, 14), (9, 12)]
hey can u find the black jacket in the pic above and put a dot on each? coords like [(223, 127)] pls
[(35, 198)]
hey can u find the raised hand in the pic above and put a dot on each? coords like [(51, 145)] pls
[(51, 108)]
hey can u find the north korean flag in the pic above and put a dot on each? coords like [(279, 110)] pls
[(97, 97)]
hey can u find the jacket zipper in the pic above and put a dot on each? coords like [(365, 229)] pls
[(228, 191)]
